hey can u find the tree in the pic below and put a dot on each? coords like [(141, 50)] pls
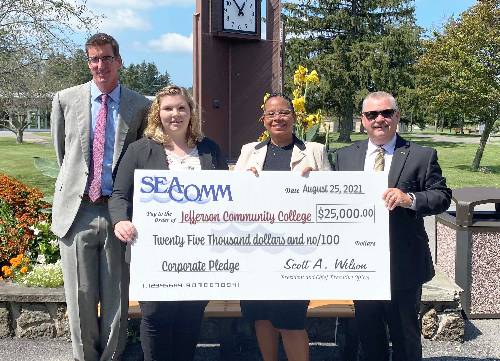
[(460, 70), (31, 29), (28, 92), (63, 71), (358, 46), (144, 78), (30, 32)]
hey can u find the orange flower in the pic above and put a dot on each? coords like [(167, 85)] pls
[(24, 269), (6, 271), (15, 262)]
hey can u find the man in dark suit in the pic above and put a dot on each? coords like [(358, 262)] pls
[(92, 125), (416, 188)]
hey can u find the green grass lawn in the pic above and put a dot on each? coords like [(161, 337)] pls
[(455, 160), (16, 160)]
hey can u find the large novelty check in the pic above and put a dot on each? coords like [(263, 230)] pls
[(205, 235)]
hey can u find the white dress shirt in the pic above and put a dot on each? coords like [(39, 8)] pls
[(371, 154)]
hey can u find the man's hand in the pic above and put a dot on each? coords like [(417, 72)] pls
[(394, 197), (125, 231)]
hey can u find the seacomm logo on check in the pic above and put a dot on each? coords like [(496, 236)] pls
[(162, 190)]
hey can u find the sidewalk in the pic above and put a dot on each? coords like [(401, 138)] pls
[(482, 342)]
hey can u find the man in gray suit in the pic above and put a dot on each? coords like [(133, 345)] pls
[(92, 125), (416, 188)]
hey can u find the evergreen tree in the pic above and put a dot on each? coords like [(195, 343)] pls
[(61, 71), (358, 46), (144, 78)]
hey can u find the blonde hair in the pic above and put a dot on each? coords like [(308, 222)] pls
[(154, 128)]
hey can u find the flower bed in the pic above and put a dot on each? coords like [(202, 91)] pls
[(29, 251)]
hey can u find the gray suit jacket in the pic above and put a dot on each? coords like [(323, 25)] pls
[(413, 169), (70, 126)]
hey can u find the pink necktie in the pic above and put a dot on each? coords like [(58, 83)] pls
[(98, 150)]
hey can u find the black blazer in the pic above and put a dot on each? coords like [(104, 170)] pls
[(148, 154), (414, 169)]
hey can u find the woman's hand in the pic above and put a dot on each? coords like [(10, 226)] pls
[(306, 171), (254, 171), (125, 231)]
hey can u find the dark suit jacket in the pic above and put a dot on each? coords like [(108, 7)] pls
[(413, 169), (147, 154)]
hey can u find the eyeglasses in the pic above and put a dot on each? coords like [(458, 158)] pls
[(372, 115), (107, 59), (278, 113)]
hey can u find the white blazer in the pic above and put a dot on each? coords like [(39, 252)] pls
[(308, 154)]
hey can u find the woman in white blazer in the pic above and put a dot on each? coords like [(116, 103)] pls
[(281, 151)]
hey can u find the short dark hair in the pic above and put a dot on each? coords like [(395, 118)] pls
[(100, 39), (281, 95)]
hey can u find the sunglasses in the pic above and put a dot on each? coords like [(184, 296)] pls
[(386, 113)]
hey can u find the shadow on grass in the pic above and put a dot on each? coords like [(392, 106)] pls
[(434, 144), (486, 169), (424, 141)]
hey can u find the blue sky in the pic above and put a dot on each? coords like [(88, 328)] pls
[(160, 31)]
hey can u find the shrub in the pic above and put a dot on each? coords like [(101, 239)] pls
[(21, 209), (45, 246), (44, 275)]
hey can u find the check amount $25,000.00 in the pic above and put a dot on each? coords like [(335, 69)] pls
[(345, 213)]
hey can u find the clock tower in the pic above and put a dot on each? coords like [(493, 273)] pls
[(241, 16), (234, 66)]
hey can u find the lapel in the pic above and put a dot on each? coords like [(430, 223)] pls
[(124, 120), (401, 151), (205, 155), (359, 155), (259, 155), (298, 152), (84, 120)]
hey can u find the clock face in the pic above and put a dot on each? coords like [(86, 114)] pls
[(240, 16)]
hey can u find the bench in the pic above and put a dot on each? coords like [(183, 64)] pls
[(225, 309), (226, 315)]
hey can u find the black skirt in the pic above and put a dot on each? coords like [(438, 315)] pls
[(285, 315)]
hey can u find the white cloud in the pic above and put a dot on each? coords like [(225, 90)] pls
[(140, 4), (172, 43), (130, 14), (123, 19)]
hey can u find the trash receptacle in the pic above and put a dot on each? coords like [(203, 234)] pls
[(468, 250)]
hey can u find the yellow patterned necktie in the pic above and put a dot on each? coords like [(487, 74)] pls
[(379, 160)]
